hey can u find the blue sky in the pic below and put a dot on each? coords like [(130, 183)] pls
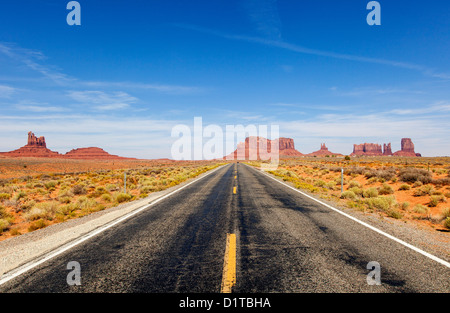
[(135, 69)]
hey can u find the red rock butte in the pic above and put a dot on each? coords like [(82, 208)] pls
[(323, 152), (257, 148), (37, 147), (372, 149)]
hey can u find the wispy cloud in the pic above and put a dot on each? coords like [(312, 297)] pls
[(427, 71), (264, 16), (34, 60), (165, 88), (6, 91), (103, 101)]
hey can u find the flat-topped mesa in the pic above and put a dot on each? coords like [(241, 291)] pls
[(407, 149), (257, 148), (369, 149), (91, 153)]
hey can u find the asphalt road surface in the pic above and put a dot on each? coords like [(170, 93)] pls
[(284, 242)]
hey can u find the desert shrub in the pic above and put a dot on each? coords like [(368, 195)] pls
[(123, 197), (421, 209), (385, 190), (380, 203), (394, 214), (5, 196), (435, 200), (354, 183), (441, 181), (4, 225), (106, 197), (320, 183), (358, 191), (20, 195), (425, 190), (348, 195), (446, 213), (411, 175), (37, 225), (405, 205), (35, 214), (65, 200), (447, 222), (78, 190), (50, 184), (370, 193), (112, 187), (43, 210), (3, 213), (404, 187), (381, 174)]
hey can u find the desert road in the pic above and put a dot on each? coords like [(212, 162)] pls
[(237, 230)]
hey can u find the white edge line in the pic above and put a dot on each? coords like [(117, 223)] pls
[(32, 264), (435, 258)]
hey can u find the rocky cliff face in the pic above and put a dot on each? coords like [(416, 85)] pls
[(407, 149), (257, 148)]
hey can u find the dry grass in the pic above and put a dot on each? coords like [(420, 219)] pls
[(409, 189), (35, 201)]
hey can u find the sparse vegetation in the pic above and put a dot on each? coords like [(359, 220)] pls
[(34, 202)]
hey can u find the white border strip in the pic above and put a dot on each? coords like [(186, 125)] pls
[(434, 258), (32, 264)]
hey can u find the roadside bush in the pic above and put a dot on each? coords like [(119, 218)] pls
[(37, 225), (447, 222), (370, 193), (380, 203), (354, 183), (385, 190), (4, 225), (411, 175), (348, 195), (123, 197)]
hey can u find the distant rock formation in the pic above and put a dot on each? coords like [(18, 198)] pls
[(372, 149), (323, 152), (257, 148), (407, 149), (37, 147), (368, 149), (90, 153), (387, 150)]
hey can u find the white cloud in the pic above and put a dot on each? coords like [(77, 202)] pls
[(101, 100), (6, 91)]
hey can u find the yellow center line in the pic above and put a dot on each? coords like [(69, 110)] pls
[(229, 265), (234, 190)]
